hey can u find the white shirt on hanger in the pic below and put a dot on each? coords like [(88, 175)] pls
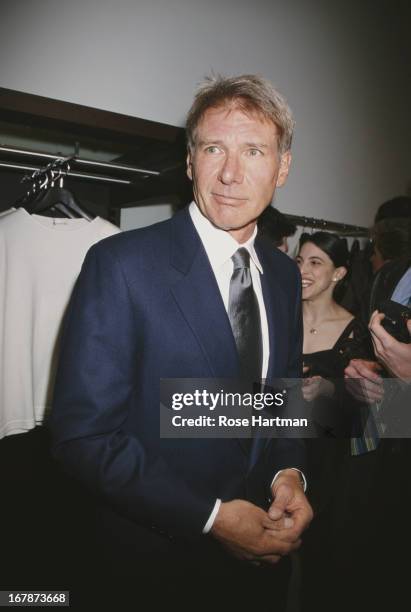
[(40, 259)]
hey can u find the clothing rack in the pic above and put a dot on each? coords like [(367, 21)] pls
[(104, 179), (343, 229), (109, 172)]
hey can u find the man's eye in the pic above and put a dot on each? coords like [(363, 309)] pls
[(254, 152), (211, 149)]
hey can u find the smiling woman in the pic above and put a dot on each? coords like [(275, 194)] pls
[(331, 337), (322, 260)]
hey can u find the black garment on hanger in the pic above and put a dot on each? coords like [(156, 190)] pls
[(59, 198)]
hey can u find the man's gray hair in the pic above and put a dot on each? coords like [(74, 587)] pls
[(250, 93)]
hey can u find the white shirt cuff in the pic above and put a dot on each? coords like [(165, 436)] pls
[(297, 470), (212, 516)]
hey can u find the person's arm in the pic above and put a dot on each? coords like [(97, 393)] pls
[(94, 395), (394, 355)]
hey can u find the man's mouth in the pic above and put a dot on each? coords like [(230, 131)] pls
[(228, 199)]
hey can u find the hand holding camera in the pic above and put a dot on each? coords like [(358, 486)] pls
[(396, 317), (392, 352)]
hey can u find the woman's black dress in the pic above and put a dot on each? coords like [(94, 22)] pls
[(324, 548)]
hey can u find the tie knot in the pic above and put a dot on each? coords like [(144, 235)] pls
[(241, 259)]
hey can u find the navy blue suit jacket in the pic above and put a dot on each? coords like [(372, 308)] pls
[(147, 306)]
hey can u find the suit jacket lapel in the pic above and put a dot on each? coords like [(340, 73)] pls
[(274, 305), (274, 302), (198, 296)]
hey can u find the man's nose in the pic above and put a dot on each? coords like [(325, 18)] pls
[(232, 169)]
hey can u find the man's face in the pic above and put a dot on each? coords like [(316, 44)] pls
[(235, 167)]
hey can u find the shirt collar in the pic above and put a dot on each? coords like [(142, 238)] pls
[(220, 246)]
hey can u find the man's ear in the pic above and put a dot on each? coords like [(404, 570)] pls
[(189, 166), (285, 162)]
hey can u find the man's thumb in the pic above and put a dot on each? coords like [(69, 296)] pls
[(281, 500)]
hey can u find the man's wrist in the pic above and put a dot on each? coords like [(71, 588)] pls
[(294, 473)]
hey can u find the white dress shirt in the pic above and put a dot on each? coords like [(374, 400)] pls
[(220, 246)]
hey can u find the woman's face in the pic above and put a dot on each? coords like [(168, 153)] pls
[(318, 272)]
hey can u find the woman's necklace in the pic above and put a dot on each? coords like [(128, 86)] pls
[(314, 330)]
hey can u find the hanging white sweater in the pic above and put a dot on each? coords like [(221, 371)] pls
[(40, 259)]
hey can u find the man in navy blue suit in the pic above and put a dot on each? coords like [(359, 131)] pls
[(156, 303)]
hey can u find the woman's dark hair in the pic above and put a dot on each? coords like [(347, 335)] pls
[(332, 245)]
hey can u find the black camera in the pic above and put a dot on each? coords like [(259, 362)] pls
[(395, 320)]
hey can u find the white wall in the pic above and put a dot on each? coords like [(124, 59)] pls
[(144, 215), (342, 65)]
